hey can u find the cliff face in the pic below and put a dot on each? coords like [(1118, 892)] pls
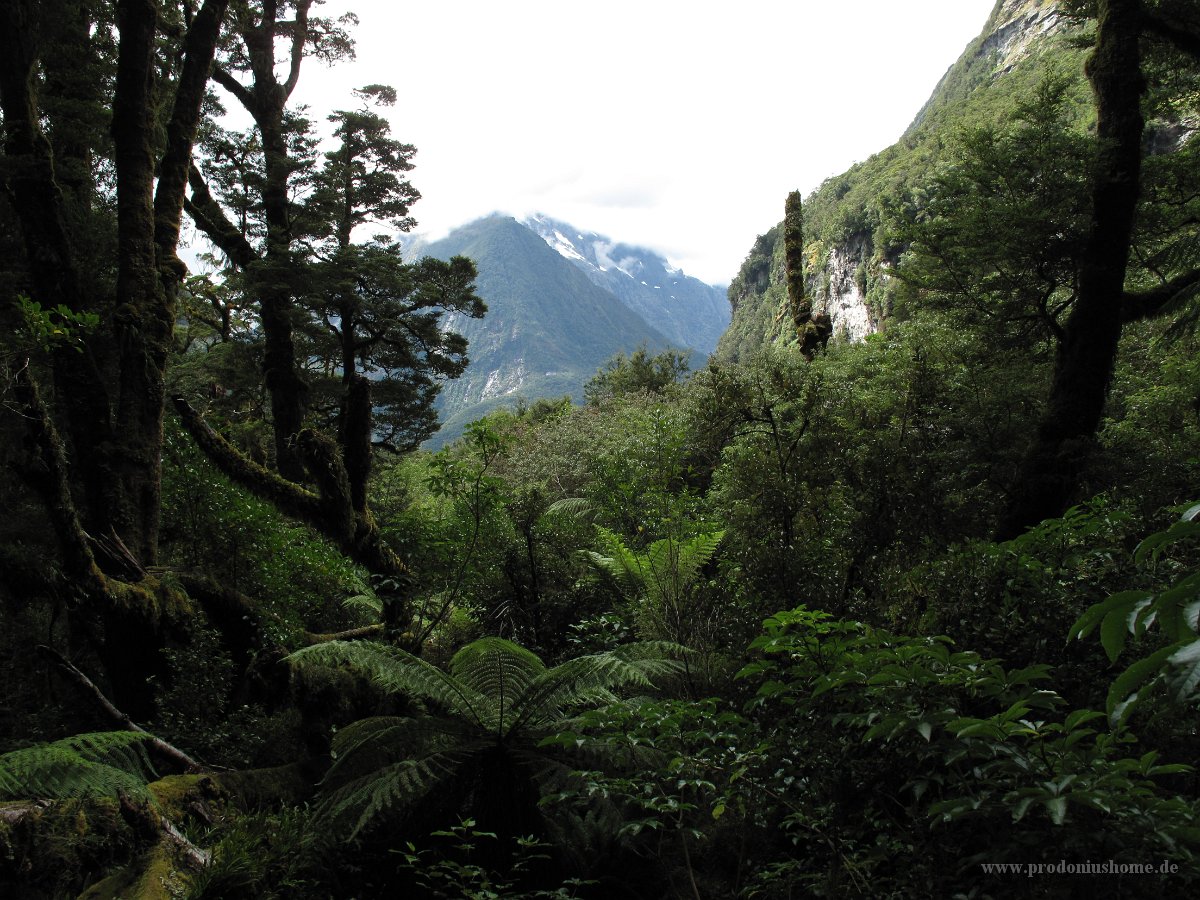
[(848, 257)]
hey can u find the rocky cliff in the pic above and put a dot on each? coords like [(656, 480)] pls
[(848, 257)]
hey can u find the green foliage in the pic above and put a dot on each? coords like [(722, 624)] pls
[(680, 772), (894, 747), (296, 579), (202, 705), (449, 867), (97, 764), (662, 582), (636, 371), (497, 701), (257, 857), (1015, 600), (1176, 612), (869, 459), (60, 326), (996, 232)]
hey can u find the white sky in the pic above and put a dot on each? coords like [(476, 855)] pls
[(680, 125)]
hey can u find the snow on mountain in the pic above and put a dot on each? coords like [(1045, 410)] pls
[(689, 312)]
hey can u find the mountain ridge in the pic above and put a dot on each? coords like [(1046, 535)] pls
[(548, 328), (849, 261), (691, 313)]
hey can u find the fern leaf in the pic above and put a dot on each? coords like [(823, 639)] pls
[(369, 745), (570, 684), (96, 764), (572, 507), (390, 789), (399, 672), (498, 670)]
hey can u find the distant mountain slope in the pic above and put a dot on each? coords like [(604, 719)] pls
[(692, 314), (848, 257), (548, 328)]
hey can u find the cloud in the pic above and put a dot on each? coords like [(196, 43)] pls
[(681, 126)]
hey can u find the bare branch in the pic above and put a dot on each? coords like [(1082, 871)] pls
[(161, 747)]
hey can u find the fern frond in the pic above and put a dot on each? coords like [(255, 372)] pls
[(499, 670), (696, 552), (371, 744), (399, 672), (1178, 255), (390, 789), (573, 682), (367, 601), (572, 507), (673, 565), (581, 829), (97, 764), (1187, 314), (618, 563)]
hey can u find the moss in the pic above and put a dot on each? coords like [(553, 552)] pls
[(280, 785), (175, 794), (150, 598), (56, 849), (154, 876)]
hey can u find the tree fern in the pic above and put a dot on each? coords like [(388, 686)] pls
[(572, 507), (662, 580), (97, 764), (499, 701)]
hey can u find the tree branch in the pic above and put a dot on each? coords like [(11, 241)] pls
[(235, 87), (199, 48), (288, 496), (299, 37), (161, 747), (1142, 305), (48, 475), (354, 634), (211, 219), (1182, 38)]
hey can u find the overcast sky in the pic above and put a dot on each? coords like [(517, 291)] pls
[(680, 125)]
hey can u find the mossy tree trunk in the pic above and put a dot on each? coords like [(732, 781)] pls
[(793, 261), (812, 330), (271, 272), (113, 409), (1053, 465), (102, 484)]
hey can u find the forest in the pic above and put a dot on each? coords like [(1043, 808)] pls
[(915, 616)]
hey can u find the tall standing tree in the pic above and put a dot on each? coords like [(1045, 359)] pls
[(1040, 234), (74, 194), (376, 321), (1087, 351), (288, 229), (113, 391), (247, 70)]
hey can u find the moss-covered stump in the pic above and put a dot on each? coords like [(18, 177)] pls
[(153, 876), (57, 848)]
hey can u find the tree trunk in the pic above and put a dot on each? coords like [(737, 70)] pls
[(1051, 471), (270, 279), (143, 329)]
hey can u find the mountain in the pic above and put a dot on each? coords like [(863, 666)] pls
[(693, 315), (849, 257), (548, 328)]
